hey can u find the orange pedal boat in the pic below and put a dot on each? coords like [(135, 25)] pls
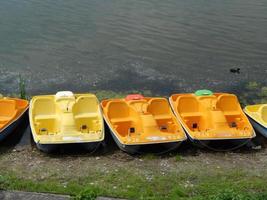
[(138, 121), (12, 113), (208, 116)]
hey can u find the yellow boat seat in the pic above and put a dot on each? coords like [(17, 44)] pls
[(44, 117), (263, 113), (85, 107), (46, 106)]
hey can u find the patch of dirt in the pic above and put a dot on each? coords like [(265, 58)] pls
[(33, 164)]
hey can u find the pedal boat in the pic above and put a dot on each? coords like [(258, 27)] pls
[(64, 119), (209, 117), (257, 115), (138, 121), (13, 113)]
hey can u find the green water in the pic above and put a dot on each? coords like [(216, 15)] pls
[(163, 46)]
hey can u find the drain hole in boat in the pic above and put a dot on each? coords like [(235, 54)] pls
[(233, 125), (132, 130), (43, 131), (194, 125), (163, 128), (84, 127)]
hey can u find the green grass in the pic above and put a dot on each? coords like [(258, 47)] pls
[(253, 93), (124, 184), (149, 156)]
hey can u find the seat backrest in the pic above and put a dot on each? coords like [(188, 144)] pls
[(187, 104), (228, 102), (117, 109), (158, 106), (264, 113), (139, 105), (86, 104), (44, 106), (7, 107)]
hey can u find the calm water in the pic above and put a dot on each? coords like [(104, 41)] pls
[(163, 46)]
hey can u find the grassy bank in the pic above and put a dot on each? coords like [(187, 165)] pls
[(214, 176), (191, 175)]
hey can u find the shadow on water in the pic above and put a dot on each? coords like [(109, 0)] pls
[(137, 81)]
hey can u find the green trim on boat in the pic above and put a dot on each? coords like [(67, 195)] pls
[(203, 93)]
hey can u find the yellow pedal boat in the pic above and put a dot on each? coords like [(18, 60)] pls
[(208, 116), (137, 121), (12, 114), (66, 118), (258, 117)]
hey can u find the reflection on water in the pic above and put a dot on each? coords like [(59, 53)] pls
[(116, 44)]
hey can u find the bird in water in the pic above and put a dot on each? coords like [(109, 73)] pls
[(235, 70)]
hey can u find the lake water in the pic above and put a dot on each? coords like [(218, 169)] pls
[(162, 46)]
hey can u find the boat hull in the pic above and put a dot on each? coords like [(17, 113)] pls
[(51, 148), (14, 125), (258, 127), (220, 144), (158, 148)]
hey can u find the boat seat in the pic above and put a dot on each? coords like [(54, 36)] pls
[(86, 104), (86, 115), (187, 104), (191, 114), (232, 113), (117, 110), (44, 117), (139, 105), (124, 119), (228, 104), (159, 107), (4, 119), (44, 106), (263, 113), (8, 108), (157, 117), (2, 125)]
